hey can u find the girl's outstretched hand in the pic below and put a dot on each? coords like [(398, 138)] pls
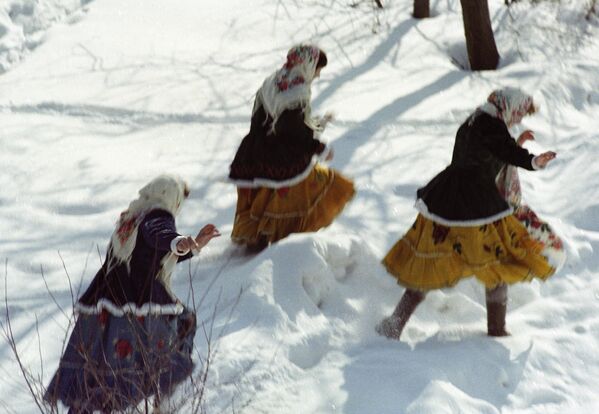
[(543, 159), (187, 244), (207, 233), (527, 135)]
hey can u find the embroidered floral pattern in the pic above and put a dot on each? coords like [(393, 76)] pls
[(511, 105), (498, 251), (282, 192), (457, 247), (508, 184), (440, 233), (541, 230), (125, 227), (123, 348), (299, 55)]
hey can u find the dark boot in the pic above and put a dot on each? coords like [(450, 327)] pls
[(496, 299), (393, 325)]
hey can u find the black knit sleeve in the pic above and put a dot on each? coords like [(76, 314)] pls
[(497, 139)]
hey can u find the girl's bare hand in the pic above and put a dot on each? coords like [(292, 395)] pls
[(527, 135), (207, 233), (543, 159)]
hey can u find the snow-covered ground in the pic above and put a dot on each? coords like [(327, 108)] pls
[(23, 24), (115, 92)]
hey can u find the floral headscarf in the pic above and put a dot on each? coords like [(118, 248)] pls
[(289, 87), (165, 192), (509, 104)]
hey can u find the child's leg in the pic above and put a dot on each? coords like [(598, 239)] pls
[(392, 326), (496, 299)]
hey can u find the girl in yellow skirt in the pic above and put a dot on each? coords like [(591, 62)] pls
[(281, 187), (465, 226)]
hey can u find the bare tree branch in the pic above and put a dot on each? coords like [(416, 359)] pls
[(10, 338)]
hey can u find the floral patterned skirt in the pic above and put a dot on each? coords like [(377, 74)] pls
[(432, 256), (307, 206), (114, 362)]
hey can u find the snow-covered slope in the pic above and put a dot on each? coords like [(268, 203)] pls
[(23, 24), (132, 89)]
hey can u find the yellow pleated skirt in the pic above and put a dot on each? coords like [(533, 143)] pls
[(307, 206), (432, 256)]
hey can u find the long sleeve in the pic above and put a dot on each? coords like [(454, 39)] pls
[(497, 139), (267, 157), (292, 127), (158, 232)]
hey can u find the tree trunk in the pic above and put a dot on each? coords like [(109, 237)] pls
[(421, 9), (480, 42)]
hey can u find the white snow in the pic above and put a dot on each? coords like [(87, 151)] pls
[(108, 94), (23, 24)]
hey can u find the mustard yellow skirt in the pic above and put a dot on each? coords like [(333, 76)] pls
[(307, 206), (432, 256)]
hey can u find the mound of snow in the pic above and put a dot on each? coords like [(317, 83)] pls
[(23, 24)]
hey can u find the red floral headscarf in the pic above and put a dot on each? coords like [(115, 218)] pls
[(165, 192), (289, 86), (509, 104)]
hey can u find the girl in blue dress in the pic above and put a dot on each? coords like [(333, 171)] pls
[(132, 337)]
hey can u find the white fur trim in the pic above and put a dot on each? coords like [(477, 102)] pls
[(174, 248), (264, 182), (132, 308), (423, 209), (535, 165)]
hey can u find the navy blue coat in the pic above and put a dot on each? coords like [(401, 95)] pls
[(139, 284)]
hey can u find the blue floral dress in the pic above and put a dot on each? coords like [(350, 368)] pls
[(132, 338)]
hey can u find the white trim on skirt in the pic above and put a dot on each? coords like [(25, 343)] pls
[(131, 308), (422, 208), (264, 182)]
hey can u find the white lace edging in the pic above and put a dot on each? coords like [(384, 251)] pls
[(422, 208), (132, 308), (264, 182)]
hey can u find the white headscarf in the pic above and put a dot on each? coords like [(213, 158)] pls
[(289, 87), (508, 104), (165, 192)]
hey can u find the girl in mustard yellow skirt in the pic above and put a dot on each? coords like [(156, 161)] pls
[(466, 227), (281, 187)]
